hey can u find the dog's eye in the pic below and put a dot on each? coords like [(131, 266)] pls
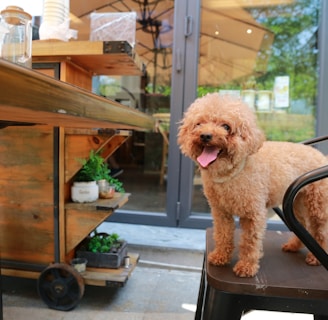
[(226, 127)]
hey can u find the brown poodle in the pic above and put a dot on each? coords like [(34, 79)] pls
[(244, 176)]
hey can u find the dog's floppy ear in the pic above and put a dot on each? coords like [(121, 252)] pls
[(252, 135), (182, 137)]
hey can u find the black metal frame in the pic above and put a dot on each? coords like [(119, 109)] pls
[(287, 214)]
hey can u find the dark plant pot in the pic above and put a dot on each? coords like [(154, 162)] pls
[(112, 260)]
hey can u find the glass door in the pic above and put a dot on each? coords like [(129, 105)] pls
[(265, 52), (142, 160)]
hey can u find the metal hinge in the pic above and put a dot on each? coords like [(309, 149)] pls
[(178, 211)]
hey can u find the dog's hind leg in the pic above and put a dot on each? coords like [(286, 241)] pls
[(294, 244), (317, 219)]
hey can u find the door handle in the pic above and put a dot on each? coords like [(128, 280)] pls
[(188, 26)]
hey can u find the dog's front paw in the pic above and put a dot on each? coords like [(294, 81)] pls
[(218, 258), (246, 269), (312, 260)]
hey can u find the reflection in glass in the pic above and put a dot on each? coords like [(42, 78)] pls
[(265, 52), (144, 156)]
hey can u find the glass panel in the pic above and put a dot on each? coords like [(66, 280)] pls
[(266, 53), (143, 157)]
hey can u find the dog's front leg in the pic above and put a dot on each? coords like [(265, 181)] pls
[(224, 227), (250, 246)]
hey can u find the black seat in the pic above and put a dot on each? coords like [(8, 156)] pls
[(284, 283)]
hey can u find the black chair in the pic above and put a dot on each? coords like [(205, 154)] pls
[(284, 283)]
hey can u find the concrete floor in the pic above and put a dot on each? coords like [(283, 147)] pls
[(150, 294), (164, 285)]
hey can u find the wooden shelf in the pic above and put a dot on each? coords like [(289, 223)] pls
[(97, 57), (110, 277), (117, 201)]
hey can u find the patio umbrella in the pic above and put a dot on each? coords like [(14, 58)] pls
[(232, 44), (154, 29)]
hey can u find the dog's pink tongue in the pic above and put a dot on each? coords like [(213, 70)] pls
[(208, 155)]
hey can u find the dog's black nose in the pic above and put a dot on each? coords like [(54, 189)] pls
[(206, 137)]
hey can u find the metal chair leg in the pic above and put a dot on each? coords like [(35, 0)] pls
[(200, 301)]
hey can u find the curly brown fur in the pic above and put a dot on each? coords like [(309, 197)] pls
[(244, 175)]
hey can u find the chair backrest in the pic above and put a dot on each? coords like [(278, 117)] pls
[(288, 216)]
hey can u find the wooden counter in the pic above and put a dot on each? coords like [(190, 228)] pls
[(45, 125), (30, 97), (39, 162)]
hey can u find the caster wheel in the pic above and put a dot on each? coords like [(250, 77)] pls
[(60, 286)]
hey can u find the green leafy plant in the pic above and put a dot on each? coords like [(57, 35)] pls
[(103, 242), (95, 168), (92, 168)]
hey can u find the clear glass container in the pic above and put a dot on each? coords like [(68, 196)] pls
[(106, 191), (16, 36)]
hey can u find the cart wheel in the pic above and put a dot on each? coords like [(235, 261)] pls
[(60, 286)]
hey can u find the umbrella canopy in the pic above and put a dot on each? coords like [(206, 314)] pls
[(232, 44), (154, 29)]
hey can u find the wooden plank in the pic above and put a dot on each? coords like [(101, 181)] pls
[(20, 273), (79, 143), (45, 48), (75, 75), (96, 57), (26, 194), (77, 147), (26, 233), (80, 223), (63, 191), (112, 145), (117, 201), (110, 277), (93, 276), (48, 101)]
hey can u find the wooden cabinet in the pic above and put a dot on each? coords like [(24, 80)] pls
[(46, 124)]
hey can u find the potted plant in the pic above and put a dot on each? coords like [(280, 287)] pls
[(91, 168), (103, 250), (94, 169)]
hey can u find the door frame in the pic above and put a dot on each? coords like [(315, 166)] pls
[(184, 92)]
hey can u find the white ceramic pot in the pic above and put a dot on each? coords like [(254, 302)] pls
[(84, 191)]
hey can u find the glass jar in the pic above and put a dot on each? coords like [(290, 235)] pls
[(16, 36), (106, 191)]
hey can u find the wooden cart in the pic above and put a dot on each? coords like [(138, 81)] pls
[(46, 124)]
